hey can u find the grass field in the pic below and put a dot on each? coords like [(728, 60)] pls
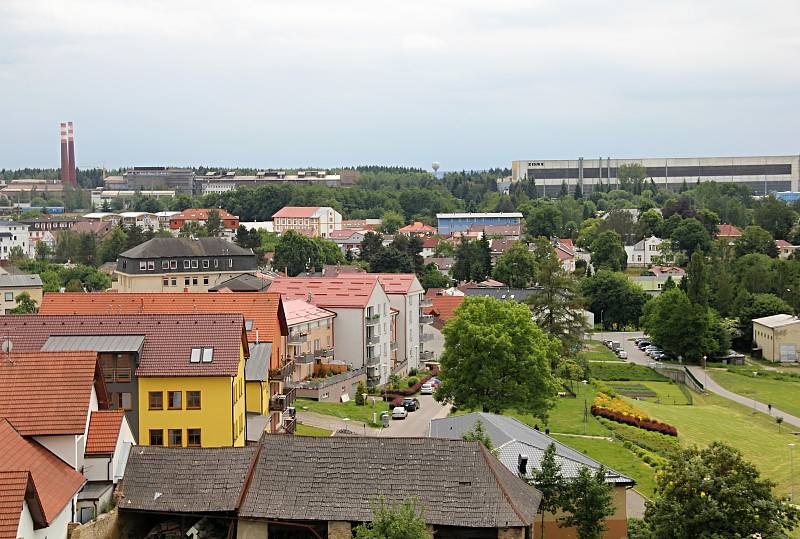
[(784, 394), (624, 371), (308, 430), (615, 456), (713, 418), (347, 409), (597, 351), (665, 392)]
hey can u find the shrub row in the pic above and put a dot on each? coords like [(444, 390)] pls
[(649, 458), (619, 405), (642, 423), (413, 390), (656, 442)]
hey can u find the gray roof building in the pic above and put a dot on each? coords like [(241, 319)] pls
[(516, 441), (246, 282), (257, 366), (20, 281), (185, 247)]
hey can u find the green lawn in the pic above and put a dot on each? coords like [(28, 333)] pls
[(616, 457), (347, 409), (665, 392), (597, 351), (308, 430), (784, 394), (624, 371), (713, 418)]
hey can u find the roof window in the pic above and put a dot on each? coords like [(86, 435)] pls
[(248, 325), (202, 355)]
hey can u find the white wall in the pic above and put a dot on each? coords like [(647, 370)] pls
[(20, 237), (408, 331), (63, 446), (125, 441), (56, 530), (348, 335)]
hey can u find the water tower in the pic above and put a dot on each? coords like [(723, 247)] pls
[(435, 166)]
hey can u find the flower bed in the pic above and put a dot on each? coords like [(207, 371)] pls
[(618, 404), (413, 390), (640, 422)]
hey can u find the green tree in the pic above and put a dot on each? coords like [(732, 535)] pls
[(680, 326), (549, 481), (478, 434), (690, 236), (608, 252), (248, 239), (371, 245), (401, 521), (631, 177), (16, 254), (391, 260), (43, 250), (649, 223), (587, 502), (391, 221), (67, 245), (361, 390), (713, 493), (516, 266), (545, 220), (471, 262), (111, 247), (214, 225), (755, 239), (433, 278), (192, 229), (495, 358), (614, 299), (25, 304), (775, 216), (87, 248), (748, 306), (621, 222), (697, 280), (296, 254)]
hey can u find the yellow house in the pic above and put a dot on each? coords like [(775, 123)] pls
[(195, 396)]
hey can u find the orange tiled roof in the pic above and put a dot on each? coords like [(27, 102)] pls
[(47, 393), (201, 214), (56, 482), (444, 306), (393, 283), (13, 485), (296, 211), (728, 231), (265, 309), (299, 312), (103, 433), (417, 226)]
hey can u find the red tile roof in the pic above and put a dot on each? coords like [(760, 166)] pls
[(265, 309), (417, 226), (300, 312), (666, 270), (47, 393), (351, 290), (13, 485), (104, 427), (393, 283), (169, 338), (444, 307), (296, 211), (430, 243), (783, 244), (728, 231), (201, 214), (56, 482)]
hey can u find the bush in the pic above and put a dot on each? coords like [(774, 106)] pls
[(413, 371), (360, 390), (617, 404), (411, 381), (412, 390), (658, 443), (642, 423)]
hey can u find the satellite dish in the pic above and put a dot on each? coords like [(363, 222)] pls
[(7, 346), (435, 166)]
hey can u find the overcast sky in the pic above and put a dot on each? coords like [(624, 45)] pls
[(472, 84)]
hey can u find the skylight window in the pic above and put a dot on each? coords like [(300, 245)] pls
[(202, 355), (208, 355), (196, 353), (248, 325)]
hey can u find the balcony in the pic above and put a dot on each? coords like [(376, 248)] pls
[(373, 339), (324, 353), (282, 373), (373, 359), (297, 338), (374, 372), (304, 359), (393, 345), (372, 320), (425, 355), (288, 425), (280, 402), (426, 319), (425, 302), (426, 337)]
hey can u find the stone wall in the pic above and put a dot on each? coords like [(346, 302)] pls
[(105, 526)]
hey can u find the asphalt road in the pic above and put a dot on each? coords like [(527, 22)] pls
[(637, 356), (417, 424)]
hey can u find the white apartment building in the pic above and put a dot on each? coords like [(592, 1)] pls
[(645, 252), (14, 234), (315, 221)]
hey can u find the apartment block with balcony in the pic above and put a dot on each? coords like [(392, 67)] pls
[(310, 343), (361, 333)]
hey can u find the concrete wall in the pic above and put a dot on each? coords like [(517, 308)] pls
[(770, 341)]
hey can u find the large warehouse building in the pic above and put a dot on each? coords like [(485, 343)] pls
[(762, 175)]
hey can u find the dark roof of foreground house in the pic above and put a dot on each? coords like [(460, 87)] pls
[(338, 478), (185, 480), (182, 247), (247, 282), (298, 478), (513, 438)]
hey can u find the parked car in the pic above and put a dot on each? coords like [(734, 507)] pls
[(411, 404), (426, 389), (399, 413), (622, 354), (654, 353), (643, 344)]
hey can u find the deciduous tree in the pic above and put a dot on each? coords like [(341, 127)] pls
[(549, 481), (755, 240), (608, 252), (587, 502), (516, 266), (401, 521)]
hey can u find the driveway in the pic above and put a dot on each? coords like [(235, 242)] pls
[(637, 356), (417, 424)]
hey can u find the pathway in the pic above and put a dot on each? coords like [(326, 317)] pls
[(637, 356)]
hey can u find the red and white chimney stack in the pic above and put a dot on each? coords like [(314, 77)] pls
[(69, 175)]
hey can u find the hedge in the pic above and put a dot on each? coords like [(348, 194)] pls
[(413, 390), (642, 423)]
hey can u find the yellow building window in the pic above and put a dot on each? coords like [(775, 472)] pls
[(174, 400), (155, 400), (156, 437), (175, 437), (193, 438), (192, 400)]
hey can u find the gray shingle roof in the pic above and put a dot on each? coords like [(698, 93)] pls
[(98, 343), (337, 478), (176, 247), (257, 366), (185, 480), (19, 281), (243, 283), (513, 438)]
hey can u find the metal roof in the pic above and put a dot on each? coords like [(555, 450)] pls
[(257, 366), (19, 281), (98, 343)]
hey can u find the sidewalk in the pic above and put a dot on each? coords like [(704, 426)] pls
[(714, 387)]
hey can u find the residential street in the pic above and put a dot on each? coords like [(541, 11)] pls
[(417, 423), (637, 356)]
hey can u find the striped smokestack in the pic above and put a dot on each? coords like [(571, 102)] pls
[(65, 177), (73, 172)]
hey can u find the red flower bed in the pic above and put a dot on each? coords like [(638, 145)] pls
[(413, 390), (646, 424), (396, 402)]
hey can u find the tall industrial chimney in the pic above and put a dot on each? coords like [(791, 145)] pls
[(65, 176), (73, 173)]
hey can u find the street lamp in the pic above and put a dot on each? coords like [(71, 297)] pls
[(791, 473)]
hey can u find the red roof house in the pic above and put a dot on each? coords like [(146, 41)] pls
[(200, 216)]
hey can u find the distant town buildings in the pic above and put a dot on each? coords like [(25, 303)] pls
[(11, 286), (229, 221), (313, 221), (460, 222), (760, 174), (644, 252)]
